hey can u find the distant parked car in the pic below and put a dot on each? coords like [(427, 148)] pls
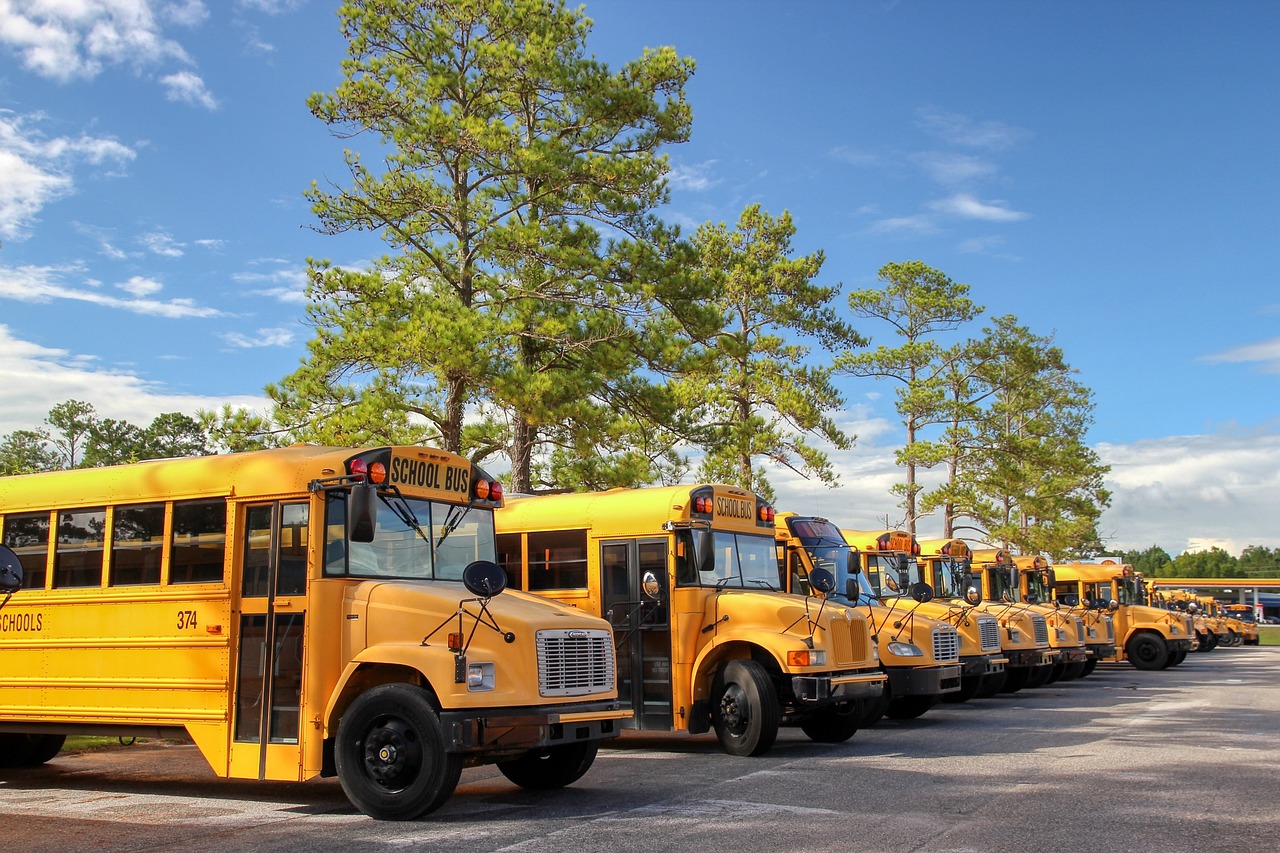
[(1271, 620)]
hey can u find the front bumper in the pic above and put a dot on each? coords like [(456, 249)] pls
[(1102, 652), (976, 666), (817, 690), (924, 680), (502, 729), (1031, 657)]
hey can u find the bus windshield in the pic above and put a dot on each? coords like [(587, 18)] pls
[(413, 539), (736, 559), (952, 578), (828, 550), (998, 577), (1038, 587)]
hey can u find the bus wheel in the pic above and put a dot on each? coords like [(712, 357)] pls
[(969, 685), (1015, 679), (833, 725), (744, 709), (390, 754), (1175, 658), (1147, 651), (1040, 675), (18, 750), (991, 685), (1074, 670), (1089, 666), (910, 707), (552, 767)]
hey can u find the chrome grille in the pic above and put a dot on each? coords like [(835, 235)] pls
[(1041, 628), (575, 662), (989, 634), (1111, 629), (946, 643), (1080, 634)]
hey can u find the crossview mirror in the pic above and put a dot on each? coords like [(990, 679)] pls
[(972, 595), (362, 512), (650, 586), (484, 578), (922, 592), (822, 580), (10, 571)]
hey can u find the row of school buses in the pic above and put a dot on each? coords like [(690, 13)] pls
[(387, 616)]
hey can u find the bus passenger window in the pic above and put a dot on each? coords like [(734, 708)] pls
[(137, 544), (558, 560), (198, 550), (511, 559), (28, 535), (77, 556)]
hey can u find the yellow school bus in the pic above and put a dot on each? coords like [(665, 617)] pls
[(920, 655), (688, 578), (296, 612), (1147, 637), (1025, 633), (892, 567), (1030, 584)]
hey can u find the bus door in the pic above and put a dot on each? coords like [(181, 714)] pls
[(641, 626), (273, 597)]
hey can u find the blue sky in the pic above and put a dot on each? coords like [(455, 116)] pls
[(1108, 172)]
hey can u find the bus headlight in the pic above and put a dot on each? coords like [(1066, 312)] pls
[(480, 676), (1062, 635), (905, 650), (1014, 635), (807, 657)]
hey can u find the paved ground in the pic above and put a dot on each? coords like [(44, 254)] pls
[(1182, 760)]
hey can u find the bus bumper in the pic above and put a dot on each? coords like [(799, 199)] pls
[(1075, 654), (924, 680), (976, 666), (1031, 657), (837, 687), (501, 729), (1102, 652)]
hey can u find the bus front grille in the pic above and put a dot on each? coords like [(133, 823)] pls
[(946, 643), (575, 662), (989, 634), (1041, 627), (847, 644)]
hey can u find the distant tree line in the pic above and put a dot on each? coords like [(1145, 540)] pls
[(1255, 561)]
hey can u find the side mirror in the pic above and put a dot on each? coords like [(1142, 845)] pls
[(972, 595), (650, 586), (10, 571), (822, 580), (361, 512), (1007, 598), (855, 563), (922, 592), (1113, 605), (851, 590), (484, 578), (1032, 598), (891, 584)]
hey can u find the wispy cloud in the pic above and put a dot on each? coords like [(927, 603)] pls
[(966, 206), (188, 88), (276, 337), (918, 224), (44, 284), (162, 243), (691, 177), (855, 157), (285, 285), (951, 169), (38, 170), (964, 131), (1264, 353)]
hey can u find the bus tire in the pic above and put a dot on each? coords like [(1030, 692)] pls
[(551, 767), (910, 707), (1148, 652), (833, 725), (390, 754), (1015, 679), (23, 750), (1089, 666), (991, 685), (969, 685), (1175, 658), (744, 709), (1074, 670)]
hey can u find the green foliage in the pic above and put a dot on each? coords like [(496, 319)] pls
[(27, 451), (919, 303), (1152, 562), (517, 176), (752, 383), (1214, 563), (91, 441)]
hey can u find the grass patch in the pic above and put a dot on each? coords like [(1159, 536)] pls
[(97, 743), (1269, 635)]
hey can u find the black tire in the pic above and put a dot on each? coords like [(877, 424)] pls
[(833, 725), (1056, 672), (969, 686), (991, 685), (1089, 666), (1147, 652), (1074, 670), (552, 767), (744, 709), (1039, 676), (1016, 678), (873, 709), (1175, 658), (910, 707), (390, 754), (22, 750)]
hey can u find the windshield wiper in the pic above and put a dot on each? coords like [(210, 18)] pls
[(452, 521), (405, 513)]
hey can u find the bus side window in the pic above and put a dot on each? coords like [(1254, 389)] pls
[(558, 559), (78, 552), (28, 535), (197, 551), (137, 545), (511, 558)]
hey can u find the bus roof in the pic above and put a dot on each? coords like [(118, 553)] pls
[(642, 510), (283, 470)]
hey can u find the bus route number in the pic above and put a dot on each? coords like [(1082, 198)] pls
[(186, 619)]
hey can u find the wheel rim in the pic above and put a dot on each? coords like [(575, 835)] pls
[(393, 754), (733, 710)]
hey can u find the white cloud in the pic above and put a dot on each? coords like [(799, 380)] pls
[(968, 207), (954, 169), (68, 40), (287, 285), (261, 338), (956, 129), (919, 224), (188, 88), (1266, 353), (44, 284), (139, 286), (162, 243), (38, 170), (979, 245), (37, 378), (691, 177)]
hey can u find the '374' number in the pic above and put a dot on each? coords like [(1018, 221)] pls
[(186, 618)]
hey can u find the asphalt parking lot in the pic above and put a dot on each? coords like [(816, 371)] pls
[(1183, 759)]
